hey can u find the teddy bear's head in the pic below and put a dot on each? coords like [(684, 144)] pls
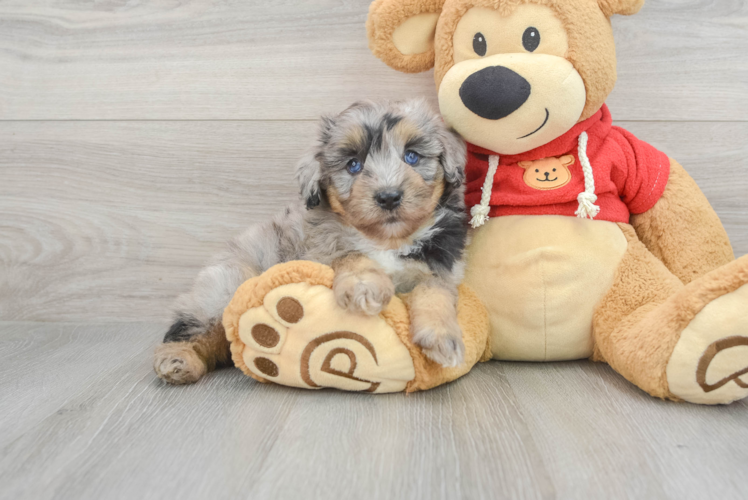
[(511, 75)]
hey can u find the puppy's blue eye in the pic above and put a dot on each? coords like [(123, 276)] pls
[(411, 157), (354, 166)]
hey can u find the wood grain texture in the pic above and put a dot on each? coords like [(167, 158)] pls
[(110, 221), (43, 366), (131, 436), (254, 59), (109, 429), (622, 442), (507, 430)]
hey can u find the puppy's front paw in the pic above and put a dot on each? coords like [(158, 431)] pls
[(177, 363), (441, 342), (365, 293)]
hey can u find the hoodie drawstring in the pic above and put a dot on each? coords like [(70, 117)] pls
[(480, 211), (587, 208)]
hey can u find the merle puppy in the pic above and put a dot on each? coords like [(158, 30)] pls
[(382, 203)]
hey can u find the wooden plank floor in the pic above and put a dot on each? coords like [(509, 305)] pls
[(83, 416), (137, 136)]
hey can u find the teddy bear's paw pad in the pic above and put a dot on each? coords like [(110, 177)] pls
[(301, 337), (261, 331), (710, 362)]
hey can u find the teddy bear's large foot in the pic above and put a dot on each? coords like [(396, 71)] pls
[(300, 337), (709, 364), (287, 327), (708, 359)]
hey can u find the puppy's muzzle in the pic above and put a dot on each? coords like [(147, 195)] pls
[(389, 200), (494, 92)]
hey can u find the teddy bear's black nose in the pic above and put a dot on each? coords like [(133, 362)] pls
[(494, 92)]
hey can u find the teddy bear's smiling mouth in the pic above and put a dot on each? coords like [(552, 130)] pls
[(547, 116), (546, 180)]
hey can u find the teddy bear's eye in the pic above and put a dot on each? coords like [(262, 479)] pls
[(537, 171), (554, 169), (479, 44), (530, 39)]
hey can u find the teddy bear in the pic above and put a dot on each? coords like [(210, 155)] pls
[(588, 243)]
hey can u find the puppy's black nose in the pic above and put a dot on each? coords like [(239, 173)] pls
[(494, 92), (389, 200)]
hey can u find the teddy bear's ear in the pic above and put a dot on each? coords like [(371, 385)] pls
[(623, 7), (525, 164), (401, 32)]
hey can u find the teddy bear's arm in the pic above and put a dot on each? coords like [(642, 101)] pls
[(683, 230)]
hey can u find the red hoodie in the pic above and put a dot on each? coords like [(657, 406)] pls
[(630, 175)]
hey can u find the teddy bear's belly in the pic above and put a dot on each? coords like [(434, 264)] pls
[(540, 278)]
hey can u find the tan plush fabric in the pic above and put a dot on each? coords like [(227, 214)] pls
[(385, 16), (623, 7), (540, 278), (642, 284), (322, 346), (640, 320), (553, 80), (591, 44), (683, 230), (716, 343), (416, 34), (252, 293), (286, 327)]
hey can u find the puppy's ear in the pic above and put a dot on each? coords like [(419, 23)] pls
[(326, 124), (309, 168), (453, 157), (308, 173), (401, 32), (623, 7)]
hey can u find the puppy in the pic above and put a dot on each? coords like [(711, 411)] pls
[(382, 203)]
